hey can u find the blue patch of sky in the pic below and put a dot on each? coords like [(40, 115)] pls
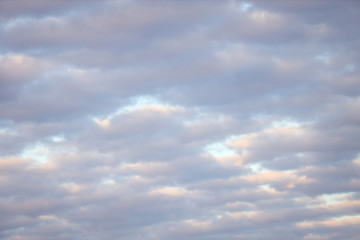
[(220, 149), (39, 152)]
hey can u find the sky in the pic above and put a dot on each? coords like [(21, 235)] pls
[(196, 120)]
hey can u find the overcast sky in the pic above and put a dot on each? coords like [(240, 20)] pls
[(181, 120)]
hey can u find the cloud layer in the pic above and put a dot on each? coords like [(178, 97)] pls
[(179, 120)]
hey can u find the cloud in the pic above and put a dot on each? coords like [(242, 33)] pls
[(179, 120)]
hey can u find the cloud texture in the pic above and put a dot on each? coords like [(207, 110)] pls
[(179, 120)]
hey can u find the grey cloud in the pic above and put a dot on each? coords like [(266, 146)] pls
[(114, 18)]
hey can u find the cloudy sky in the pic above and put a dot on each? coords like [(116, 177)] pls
[(204, 120)]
